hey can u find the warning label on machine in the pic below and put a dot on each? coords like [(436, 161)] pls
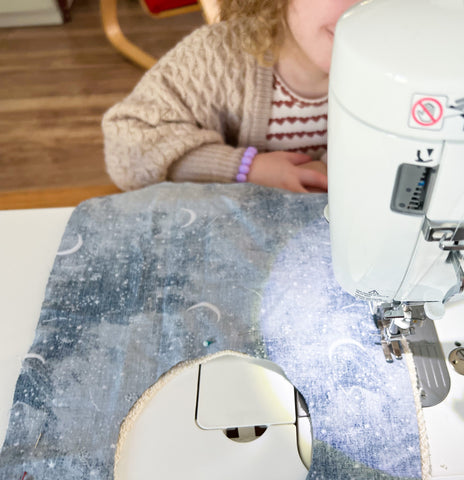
[(427, 111)]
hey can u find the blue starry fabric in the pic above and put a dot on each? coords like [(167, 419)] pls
[(146, 279)]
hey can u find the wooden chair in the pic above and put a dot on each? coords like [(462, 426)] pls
[(157, 9)]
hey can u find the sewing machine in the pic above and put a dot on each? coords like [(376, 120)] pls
[(396, 186)]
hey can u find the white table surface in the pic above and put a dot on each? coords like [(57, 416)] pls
[(29, 240)]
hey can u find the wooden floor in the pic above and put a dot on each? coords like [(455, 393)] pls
[(55, 84)]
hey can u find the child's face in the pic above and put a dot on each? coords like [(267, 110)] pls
[(312, 24)]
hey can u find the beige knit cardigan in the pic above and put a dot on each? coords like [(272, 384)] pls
[(192, 115)]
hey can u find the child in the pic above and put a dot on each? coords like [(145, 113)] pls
[(241, 100)]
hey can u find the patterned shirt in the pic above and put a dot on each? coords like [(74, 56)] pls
[(297, 124)]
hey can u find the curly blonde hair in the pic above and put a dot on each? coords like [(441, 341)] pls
[(262, 23)]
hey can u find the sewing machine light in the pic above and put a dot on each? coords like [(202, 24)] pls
[(434, 310)]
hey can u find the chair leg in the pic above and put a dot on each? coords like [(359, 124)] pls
[(112, 29), (210, 10)]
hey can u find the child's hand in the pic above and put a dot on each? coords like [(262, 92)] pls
[(291, 171)]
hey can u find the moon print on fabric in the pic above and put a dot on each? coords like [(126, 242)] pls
[(326, 342)]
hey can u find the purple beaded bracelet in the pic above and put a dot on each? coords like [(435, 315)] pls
[(247, 160)]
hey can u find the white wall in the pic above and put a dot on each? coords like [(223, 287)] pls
[(29, 12)]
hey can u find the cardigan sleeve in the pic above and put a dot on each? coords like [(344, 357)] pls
[(181, 121)]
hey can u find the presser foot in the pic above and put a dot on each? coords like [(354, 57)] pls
[(433, 380), (395, 322), (390, 342)]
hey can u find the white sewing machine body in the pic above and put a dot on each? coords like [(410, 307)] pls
[(396, 181), (396, 124)]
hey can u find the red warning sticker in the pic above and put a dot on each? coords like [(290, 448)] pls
[(427, 111)]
